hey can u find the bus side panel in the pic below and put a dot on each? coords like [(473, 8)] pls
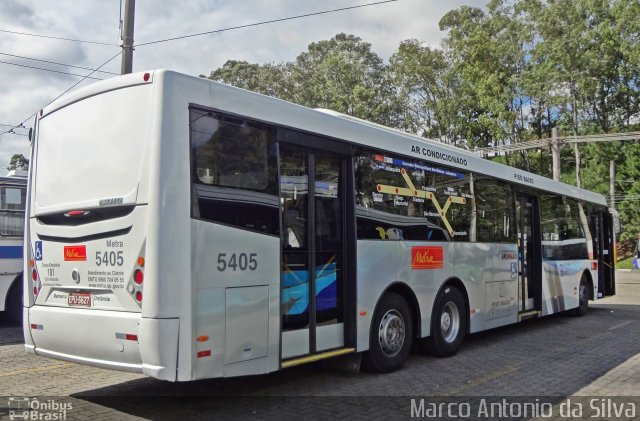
[(10, 265), (382, 263), (561, 282), (236, 277), (474, 267), (169, 196), (377, 268), (425, 267)]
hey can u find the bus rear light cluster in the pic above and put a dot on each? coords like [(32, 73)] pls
[(36, 282), (137, 280)]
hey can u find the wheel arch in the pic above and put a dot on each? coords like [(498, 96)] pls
[(457, 283), (17, 280), (587, 275), (407, 293)]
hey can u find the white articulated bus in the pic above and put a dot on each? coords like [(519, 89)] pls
[(13, 192), (186, 229)]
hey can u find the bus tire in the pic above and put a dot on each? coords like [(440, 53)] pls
[(391, 334), (14, 302), (448, 324), (583, 298)]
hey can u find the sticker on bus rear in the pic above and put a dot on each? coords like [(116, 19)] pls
[(75, 253), (38, 252)]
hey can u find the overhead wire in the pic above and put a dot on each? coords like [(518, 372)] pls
[(88, 76), (56, 38), (46, 70), (55, 62), (67, 90), (264, 22)]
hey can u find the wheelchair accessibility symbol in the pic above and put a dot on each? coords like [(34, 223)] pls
[(38, 250)]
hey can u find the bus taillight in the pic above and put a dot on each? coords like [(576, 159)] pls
[(138, 276), (36, 282), (137, 279)]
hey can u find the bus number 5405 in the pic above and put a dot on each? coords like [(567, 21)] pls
[(237, 261), (109, 258)]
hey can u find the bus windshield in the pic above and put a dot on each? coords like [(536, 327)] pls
[(99, 146)]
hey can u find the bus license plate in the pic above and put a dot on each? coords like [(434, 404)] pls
[(80, 299)]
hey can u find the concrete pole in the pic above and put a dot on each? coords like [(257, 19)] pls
[(127, 37), (612, 192)]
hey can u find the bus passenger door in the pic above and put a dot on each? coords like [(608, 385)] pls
[(312, 279), (529, 257), (606, 268)]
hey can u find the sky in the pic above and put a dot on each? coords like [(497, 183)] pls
[(24, 91)]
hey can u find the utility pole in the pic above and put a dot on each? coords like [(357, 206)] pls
[(612, 192), (555, 154), (127, 37)]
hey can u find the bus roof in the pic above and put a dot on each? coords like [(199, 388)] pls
[(207, 93)]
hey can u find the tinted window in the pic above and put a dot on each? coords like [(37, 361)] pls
[(235, 171), (494, 210), (564, 235), (232, 152), (401, 199)]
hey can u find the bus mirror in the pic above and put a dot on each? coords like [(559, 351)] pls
[(30, 133)]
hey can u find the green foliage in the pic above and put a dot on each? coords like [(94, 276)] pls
[(503, 75), (18, 162)]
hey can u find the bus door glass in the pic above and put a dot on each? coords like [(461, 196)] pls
[(529, 286), (312, 204)]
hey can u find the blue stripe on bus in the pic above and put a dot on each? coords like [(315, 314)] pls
[(10, 252)]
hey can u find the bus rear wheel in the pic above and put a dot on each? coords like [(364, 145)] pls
[(448, 324), (391, 335), (583, 298), (14, 303)]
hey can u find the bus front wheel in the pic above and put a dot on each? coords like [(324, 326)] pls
[(583, 297), (391, 334), (448, 324)]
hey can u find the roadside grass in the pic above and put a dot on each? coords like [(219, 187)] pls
[(625, 263)]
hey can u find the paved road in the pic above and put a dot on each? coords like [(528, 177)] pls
[(545, 359)]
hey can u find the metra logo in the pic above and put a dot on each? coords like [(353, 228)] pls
[(75, 253), (426, 257)]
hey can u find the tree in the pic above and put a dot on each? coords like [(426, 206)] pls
[(427, 91), (345, 75), (342, 74), (18, 162), (268, 79)]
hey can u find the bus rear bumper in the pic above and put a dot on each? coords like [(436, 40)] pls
[(107, 339), (112, 365)]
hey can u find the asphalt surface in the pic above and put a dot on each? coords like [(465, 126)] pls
[(544, 360)]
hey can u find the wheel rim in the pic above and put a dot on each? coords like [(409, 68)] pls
[(391, 333), (450, 322)]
